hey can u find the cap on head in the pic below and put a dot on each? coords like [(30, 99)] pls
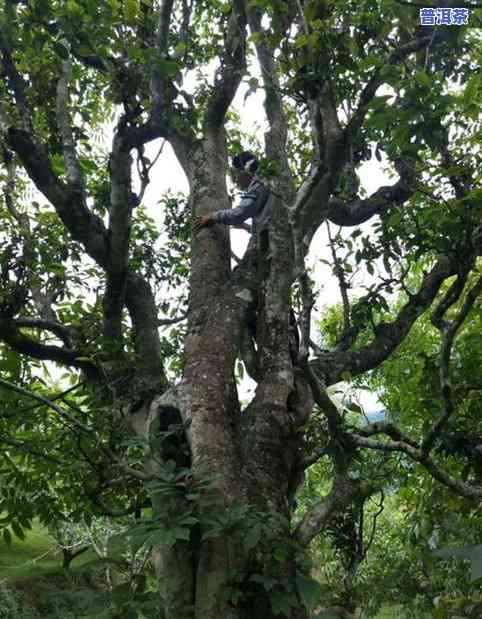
[(246, 162)]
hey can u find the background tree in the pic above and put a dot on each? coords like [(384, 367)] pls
[(337, 79), (387, 547)]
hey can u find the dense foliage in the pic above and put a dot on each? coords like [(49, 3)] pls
[(121, 329)]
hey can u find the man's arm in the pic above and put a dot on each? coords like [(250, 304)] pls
[(251, 203)]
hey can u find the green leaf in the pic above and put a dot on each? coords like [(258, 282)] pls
[(252, 537), (130, 10), (309, 590), (180, 49), (61, 50), (84, 50), (240, 368), (7, 536), (267, 582), (380, 102), (256, 37), (17, 529), (281, 602), (301, 41), (472, 553), (423, 79), (167, 67)]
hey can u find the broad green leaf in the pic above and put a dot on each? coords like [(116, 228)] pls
[(309, 590), (7, 536)]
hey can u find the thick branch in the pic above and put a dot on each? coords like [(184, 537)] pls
[(314, 456), (61, 331), (459, 487), (308, 301), (119, 235), (142, 308), (388, 428), (158, 83), (16, 82), (68, 201), (344, 490), (10, 334), (358, 211), (233, 66), (324, 402), (313, 202), (450, 332), (332, 365), (451, 296), (163, 322), (64, 123), (276, 137)]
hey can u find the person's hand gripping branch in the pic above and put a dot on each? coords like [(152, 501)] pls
[(203, 221)]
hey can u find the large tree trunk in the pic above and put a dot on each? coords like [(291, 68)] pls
[(252, 456)]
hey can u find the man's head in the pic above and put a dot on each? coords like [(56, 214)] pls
[(244, 167)]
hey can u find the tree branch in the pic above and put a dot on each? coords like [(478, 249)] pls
[(376, 80), (233, 67), (61, 331), (276, 137), (450, 331), (314, 456), (67, 200), (388, 428), (63, 414), (33, 451), (64, 123), (358, 211), (332, 365), (120, 215), (162, 322), (10, 334), (307, 301), (313, 202), (342, 284), (142, 308), (324, 401), (343, 492), (16, 82), (83, 225), (459, 487)]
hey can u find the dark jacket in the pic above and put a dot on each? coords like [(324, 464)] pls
[(254, 203)]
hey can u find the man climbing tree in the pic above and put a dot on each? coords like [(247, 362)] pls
[(82, 287), (254, 202)]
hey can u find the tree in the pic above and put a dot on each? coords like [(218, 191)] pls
[(337, 79), (389, 544)]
